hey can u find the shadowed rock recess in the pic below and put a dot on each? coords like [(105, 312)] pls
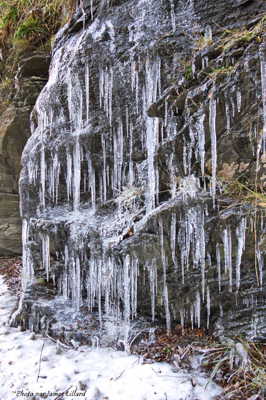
[(153, 109), (16, 103)]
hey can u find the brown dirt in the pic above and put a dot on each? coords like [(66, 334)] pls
[(11, 268)]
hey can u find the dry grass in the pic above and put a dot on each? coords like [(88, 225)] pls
[(244, 193), (235, 38), (33, 21), (240, 368)]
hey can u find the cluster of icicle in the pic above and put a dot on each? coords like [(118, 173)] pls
[(108, 283)]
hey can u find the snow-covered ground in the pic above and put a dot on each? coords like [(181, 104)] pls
[(86, 373)]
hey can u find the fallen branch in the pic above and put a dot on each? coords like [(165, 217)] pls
[(40, 361)]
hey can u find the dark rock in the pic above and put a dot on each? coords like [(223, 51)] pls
[(36, 65)]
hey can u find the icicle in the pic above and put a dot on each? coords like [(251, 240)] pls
[(110, 95), (165, 288), (228, 118), (46, 253), (104, 169), (70, 101), (185, 164), (192, 315), (69, 173), (208, 305), (208, 32), (232, 106), (197, 308), (189, 149), (165, 112), (153, 85), (212, 124), (43, 175), (80, 113), (32, 168), (260, 260), (182, 319), (228, 254), (55, 177), (240, 233), (118, 144), (201, 142), (76, 174), (133, 74), (99, 289), (263, 89), (218, 261), (87, 87), (28, 271), (173, 180), (153, 286), (205, 62), (173, 15), (238, 100), (134, 287), (173, 243), (91, 8), (76, 283), (131, 168), (65, 275), (126, 298), (92, 181), (106, 91), (202, 258)]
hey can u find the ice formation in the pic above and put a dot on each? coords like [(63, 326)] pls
[(84, 156)]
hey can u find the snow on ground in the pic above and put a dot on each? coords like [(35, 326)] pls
[(87, 373)]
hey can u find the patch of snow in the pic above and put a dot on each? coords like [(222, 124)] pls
[(95, 373)]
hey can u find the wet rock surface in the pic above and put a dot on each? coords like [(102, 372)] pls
[(152, 112)]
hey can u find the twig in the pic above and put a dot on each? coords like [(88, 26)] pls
[(62, 394), (119, 376), (65, 346), (40, 361), (187, 349)]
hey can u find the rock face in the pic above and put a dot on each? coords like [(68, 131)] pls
[(153, 116), (14, 131)]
